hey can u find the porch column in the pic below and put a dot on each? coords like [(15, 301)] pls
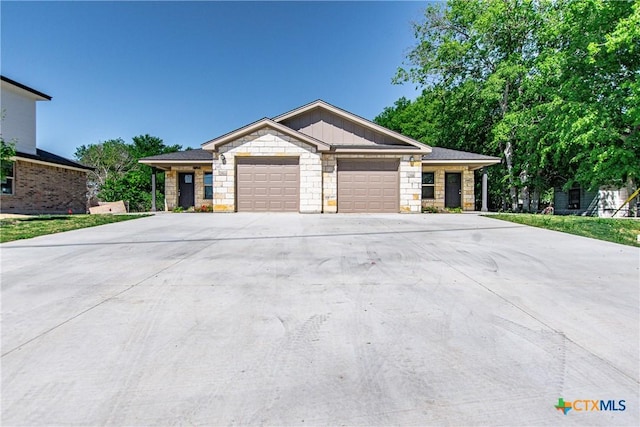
[(484, 190), (153, 189)]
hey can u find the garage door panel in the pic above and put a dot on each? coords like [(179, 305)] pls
[(268, 184), (368, 186)]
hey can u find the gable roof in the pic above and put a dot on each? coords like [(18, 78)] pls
[(319, 104), (214, 144), (440, 156), (42, 96)]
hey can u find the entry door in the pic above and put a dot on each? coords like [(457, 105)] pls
[(452, 190), (185, 190)]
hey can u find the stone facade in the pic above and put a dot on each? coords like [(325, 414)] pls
[(468, 186), (171, 186), (268, 142), (45, 189)]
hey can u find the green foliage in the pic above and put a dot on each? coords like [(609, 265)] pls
[(550, 86), (118, 174), (7, 151), (33, 226), (621, 231)]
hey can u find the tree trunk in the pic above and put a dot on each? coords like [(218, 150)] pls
[(535, 200)]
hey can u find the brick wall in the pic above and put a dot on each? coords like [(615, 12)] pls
[(41, 189)]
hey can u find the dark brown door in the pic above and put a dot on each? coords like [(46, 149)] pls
[(185, 190), (268, 184), (452, 190), (368, 186)]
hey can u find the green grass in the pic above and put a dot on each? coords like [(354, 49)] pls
[(624, 231), (26, 228)]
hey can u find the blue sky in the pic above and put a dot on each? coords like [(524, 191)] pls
[(190, 71)]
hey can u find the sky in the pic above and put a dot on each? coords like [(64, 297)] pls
[(188, 72)]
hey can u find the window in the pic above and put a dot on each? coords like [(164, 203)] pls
[(428, 185), (208, 185), (574, 198), (7, 182)]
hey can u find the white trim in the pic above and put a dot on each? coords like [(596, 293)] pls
[(41, 162), (261, 124)]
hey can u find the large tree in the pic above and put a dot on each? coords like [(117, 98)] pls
[(118, 175), (551, 86)]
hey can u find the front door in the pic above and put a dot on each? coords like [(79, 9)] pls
[(452, 190), (185, 190)]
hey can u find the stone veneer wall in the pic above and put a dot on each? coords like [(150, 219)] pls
[(410, 180), (267, 142), (468, 187), (40, 188), (171, 186)]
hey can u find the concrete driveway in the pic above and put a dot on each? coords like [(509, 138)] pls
[(278, 319)]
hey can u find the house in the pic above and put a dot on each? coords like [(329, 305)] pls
[(37, 181), (319, 158), (603, 202)]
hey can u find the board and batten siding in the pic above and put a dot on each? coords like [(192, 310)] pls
[(325, 126)]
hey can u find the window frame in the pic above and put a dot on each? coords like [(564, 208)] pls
[(205, 185), (10, 178), (571, 200), (432, 185)]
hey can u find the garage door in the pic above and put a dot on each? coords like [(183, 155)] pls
[(368, 186), (267, 184)]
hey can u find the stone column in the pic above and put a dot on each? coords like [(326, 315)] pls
[(484, 190), (153, 189)]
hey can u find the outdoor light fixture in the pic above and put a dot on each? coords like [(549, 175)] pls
[(223, 158), (412, 159)]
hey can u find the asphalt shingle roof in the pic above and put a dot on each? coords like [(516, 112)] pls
[(193, 155), (45, 156), (439, 153)]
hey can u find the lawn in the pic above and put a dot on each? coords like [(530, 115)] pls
[(623, 230), (26, 228)]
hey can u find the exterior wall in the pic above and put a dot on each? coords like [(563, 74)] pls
[(19, 122), (468, 199), (42, 189), (561, 201), (409, 174), (171, 186), (267, 142), (170, 189), (610, 199), (326, 126)]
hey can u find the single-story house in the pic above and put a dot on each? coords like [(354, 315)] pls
[(319, 158), (36, 181), (603, 202)]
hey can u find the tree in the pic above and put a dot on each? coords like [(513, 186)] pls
[(7, 151), (551, 86), (118, 175)]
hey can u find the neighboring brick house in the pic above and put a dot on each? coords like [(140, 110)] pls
[(319, 158), (37, 181)]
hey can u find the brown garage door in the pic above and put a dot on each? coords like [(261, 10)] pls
[(268, 184), (368, 186)]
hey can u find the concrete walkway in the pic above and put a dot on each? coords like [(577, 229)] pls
[(278, 319)]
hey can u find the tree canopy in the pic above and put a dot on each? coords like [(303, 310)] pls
[(118, 175), (550, 86)]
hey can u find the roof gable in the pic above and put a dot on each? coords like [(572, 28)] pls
[(345, 130), (214, 144)]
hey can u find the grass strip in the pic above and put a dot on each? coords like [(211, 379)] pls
[(25, 228), (618, 230)]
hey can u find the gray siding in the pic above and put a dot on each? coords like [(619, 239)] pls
[(561, 201), (330, 128)]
